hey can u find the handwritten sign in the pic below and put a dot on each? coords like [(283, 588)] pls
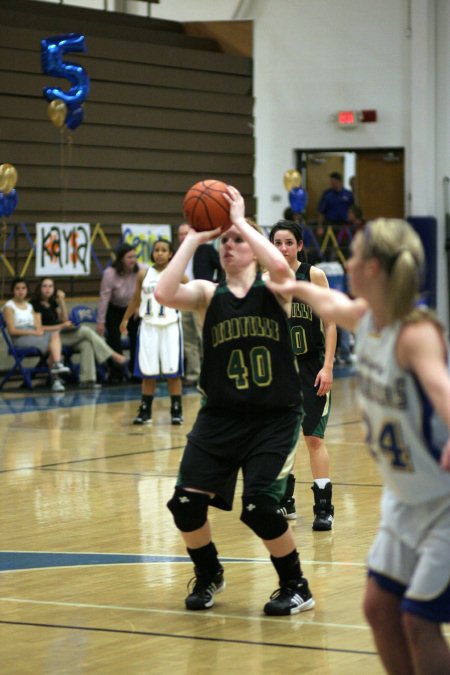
[(142, 237), (63, 249)]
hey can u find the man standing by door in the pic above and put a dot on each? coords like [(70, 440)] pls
[(334, 202)]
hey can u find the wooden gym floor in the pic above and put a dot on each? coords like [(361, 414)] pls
[(93, 573)]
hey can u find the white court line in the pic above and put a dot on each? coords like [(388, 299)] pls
[(209, 615), (212, 614)]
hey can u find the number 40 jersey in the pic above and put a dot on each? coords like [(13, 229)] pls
[(248, 364)]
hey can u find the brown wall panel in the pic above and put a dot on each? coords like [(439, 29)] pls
[(116, 179), (109, 24), (124, 114), (114, 70), (131, 51), (199, 163), (151, 139), (143, 95)]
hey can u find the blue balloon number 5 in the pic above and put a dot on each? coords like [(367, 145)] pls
[(52, 53)]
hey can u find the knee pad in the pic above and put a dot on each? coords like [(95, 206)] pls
[(189, 509), (260, 515)]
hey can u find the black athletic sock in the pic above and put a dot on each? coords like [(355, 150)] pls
[(175, 404), (147, 401), (288, 568), (290, 486), (205, 559)]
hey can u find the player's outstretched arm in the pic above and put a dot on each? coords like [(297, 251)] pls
[(330, 304), (171, 291), (324, 378)]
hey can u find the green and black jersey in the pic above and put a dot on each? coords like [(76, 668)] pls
[(306, 327), (247, 354)]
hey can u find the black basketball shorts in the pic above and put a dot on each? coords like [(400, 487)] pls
[(222, 442)]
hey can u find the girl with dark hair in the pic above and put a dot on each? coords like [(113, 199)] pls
[(160, 341), (117, 288), (50, 304), (314, 345)]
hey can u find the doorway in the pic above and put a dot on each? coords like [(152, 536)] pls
[(376, 178)]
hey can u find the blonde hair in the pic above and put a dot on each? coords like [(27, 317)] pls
[(255, 225), (259, 229), (398, 248)]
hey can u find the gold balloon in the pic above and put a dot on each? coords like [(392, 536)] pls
[(8, 178), (291, 179), (57, 111)]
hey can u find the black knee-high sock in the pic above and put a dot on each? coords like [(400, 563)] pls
[(290, 486), (288, 568), (148, 401), (175, 403), (205, 559)]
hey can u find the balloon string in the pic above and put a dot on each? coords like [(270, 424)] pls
[(3, 237), (66, 161), (61, 173)]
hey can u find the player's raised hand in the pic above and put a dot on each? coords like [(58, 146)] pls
[(203, 236)]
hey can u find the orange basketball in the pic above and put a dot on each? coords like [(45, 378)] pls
[(205, 206)]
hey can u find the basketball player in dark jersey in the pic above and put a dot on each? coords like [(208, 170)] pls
[(251, 413), (314, 345)]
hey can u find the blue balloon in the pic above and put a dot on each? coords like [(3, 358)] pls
[(298, 199), (8, 202), (74, 117), (52, 53)]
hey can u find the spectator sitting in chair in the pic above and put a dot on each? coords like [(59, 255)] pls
[(51, 306), (25, 328)]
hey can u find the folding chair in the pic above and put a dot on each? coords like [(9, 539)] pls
[(83, 314), (19, 354)]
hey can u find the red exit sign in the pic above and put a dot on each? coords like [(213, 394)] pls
[(351, 118), (347, 118)]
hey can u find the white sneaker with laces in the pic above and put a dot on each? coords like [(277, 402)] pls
[(57, 385)]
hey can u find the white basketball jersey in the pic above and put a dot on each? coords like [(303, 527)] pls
[(399, 417), (150, 310)]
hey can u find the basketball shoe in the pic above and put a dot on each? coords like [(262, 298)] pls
[(292, 598), (204, 588), (287, 504), (57, 385), (287, 508), (176, 413), (143, 416), (323, 508)]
